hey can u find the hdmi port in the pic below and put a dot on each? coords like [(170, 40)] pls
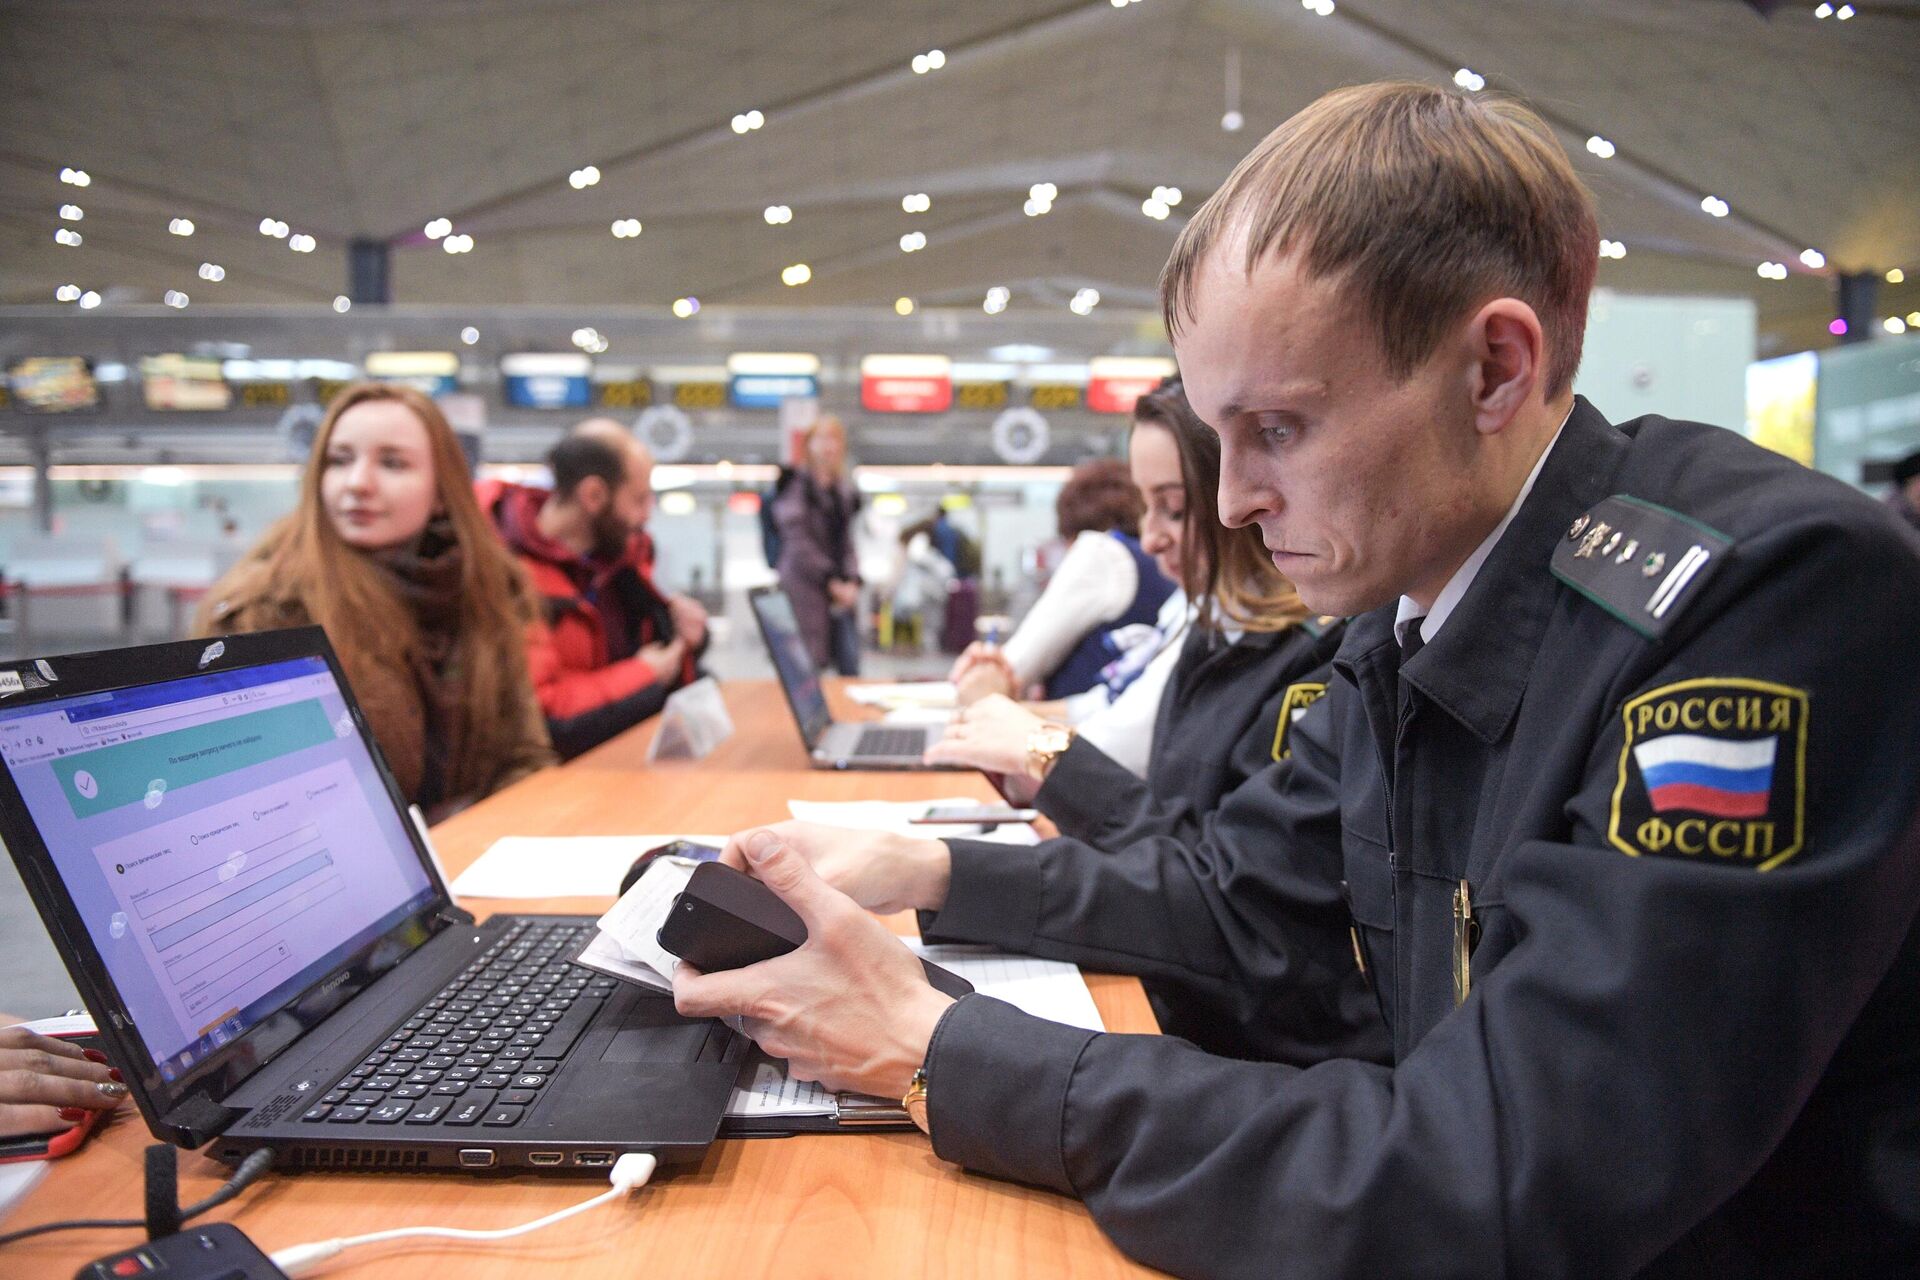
[(595, 1158), (544, 1157)]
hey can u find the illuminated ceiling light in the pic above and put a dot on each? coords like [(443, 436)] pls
[(175, 299), (1823, 11), (1469, 80), (1715, 206), (1599, 146), (1836, 326), (1896, 276), (1913, 319), (469, 335), (1083, 302), (686, 307), (1156, 208), (747, 121), (777, 215), (181, 226), (1844, 12), (1894, 324), (1772, 270), (273, 227), (1169, 196), (1233, 122), (919, 64), (797, 274), (1044, 191), (581, 179), (67, 293), (342, 303), (72, 239), (75, 177), (1612, 249), (903, 306), (1813, 258), (213, 271), (626, 228), (301, 242), (588, 338), (438, 228), (913, 242), (72, 212), (1322, 7), (458, 244), (996, 300), (918, 202), (89, 300)]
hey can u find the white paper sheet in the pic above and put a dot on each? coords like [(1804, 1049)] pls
[(915, 693), (558, 866), (634, 923), (897, 815), (16, 1180)]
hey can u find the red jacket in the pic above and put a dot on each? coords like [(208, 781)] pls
[(589, 607)]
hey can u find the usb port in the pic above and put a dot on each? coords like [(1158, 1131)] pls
[(597, 1159), (544, 1157)]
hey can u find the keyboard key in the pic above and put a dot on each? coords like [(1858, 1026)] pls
[(520, 1097), (470, 1109), (316, 1113), (450, 1088), (494, 1080), (424, 1077), (411, 1091), (543, 1066), (338, 1095), (439, 1062), (528, 1081), (347, 1115), (500, 1117), (383, 1083), (427, 1112), (463, 1074), (389, 1113), (367, 1098)]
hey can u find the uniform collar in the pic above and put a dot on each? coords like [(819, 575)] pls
[(1476, 667)]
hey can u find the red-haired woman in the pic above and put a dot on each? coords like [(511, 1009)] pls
[(388, 551)]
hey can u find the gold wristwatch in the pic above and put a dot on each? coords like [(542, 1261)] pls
[(915, 1103), (1044, 746)]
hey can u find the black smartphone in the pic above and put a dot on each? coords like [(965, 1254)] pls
[(725, 919), (671, 849)]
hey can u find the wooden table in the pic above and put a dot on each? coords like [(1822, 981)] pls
[(841, 1205)]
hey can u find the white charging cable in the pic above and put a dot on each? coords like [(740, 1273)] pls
[(629, 1173)]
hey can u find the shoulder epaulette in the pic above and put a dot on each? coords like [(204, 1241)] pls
[(1639, 561), (1318, 625)]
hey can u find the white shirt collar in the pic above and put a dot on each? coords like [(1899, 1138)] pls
[(1433, 619)]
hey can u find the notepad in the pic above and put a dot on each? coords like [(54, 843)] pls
[(1050, 989), (897, 816), (915, 693)]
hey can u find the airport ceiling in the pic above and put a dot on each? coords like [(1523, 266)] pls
[(365, 119)]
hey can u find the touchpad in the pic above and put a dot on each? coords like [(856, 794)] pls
[(657, 1044)]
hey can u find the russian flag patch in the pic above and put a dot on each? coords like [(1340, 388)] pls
[(1713, 771)]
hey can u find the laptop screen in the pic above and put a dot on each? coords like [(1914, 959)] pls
[(792, 663), (227, 840)]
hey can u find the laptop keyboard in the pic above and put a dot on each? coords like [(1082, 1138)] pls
[(890, 742), (482, 1049)]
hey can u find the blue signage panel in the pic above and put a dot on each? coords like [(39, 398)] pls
[(547, 391), (767, 390)]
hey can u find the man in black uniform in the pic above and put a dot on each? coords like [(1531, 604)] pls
[(1613, 793)]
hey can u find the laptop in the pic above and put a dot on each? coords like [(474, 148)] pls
[(831, 744), (269, 948)]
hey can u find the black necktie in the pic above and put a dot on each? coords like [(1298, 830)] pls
[(1412, 642)]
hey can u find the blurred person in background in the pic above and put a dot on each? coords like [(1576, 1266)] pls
[(813, 511), (614, 645), (388, 550), (1104, 598)]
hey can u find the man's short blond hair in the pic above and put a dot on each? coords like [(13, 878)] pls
[(1428, 202)]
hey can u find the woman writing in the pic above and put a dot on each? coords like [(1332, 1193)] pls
[(388, 551)]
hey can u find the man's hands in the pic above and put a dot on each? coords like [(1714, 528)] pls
[(665, 659), (47, 1084), (845, 595), (991, 735), (851, 1008), (878, 870), (689, 619), (980, 671)]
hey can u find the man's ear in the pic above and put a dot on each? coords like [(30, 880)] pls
[(1507, 349), (591, 495)]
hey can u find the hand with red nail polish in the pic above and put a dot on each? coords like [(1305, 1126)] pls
[(47, 1084)]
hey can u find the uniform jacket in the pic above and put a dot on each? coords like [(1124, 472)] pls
[(1223, 719), (585, 673), (816, 548), (1081, 669), (1687, 1044)]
